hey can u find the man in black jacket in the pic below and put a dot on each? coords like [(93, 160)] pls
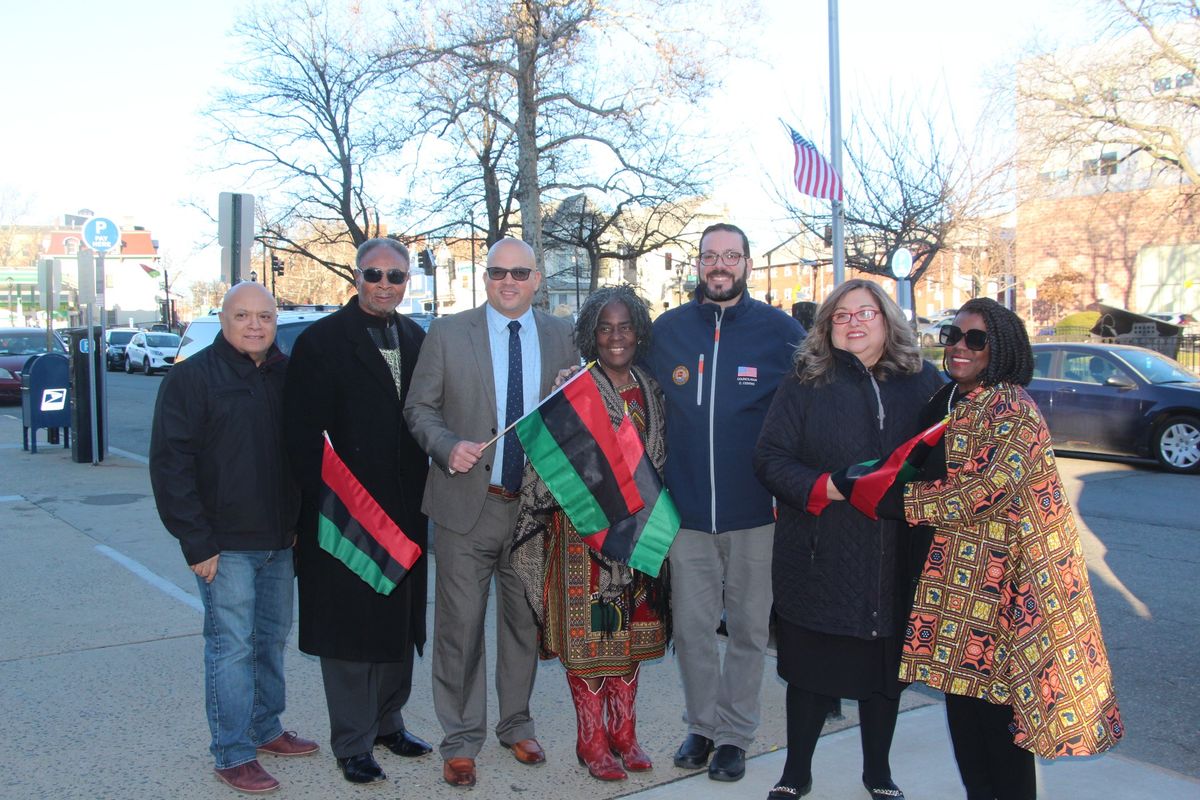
[(349, 375), (223, 488)]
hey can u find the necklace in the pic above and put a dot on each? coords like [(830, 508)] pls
[(950, 399)]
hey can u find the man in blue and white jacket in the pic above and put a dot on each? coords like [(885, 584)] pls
[(719, 359)]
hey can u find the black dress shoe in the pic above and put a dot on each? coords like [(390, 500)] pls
[(728, 763), (403, 743), (883, 790), (786, 791), (362, 768), (694, 752)]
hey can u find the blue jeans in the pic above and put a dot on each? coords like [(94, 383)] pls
[(247, 618)]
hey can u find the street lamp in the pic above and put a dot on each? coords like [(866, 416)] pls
[(253, 276), (12, 307), (575, 263)]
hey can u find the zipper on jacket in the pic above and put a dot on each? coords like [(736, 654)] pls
[(712, 409)]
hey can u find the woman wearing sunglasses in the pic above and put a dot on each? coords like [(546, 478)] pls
[(858, 385), (1003, 619)]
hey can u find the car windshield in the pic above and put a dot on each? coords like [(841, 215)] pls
[(1156, 368), (162, 340), (120, 337), (25, 344)]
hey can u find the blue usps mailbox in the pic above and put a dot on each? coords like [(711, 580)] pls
[(45, 400)]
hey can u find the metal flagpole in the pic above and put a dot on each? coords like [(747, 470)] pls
[(835, 146)]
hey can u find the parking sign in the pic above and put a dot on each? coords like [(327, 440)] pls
[(101, 234)]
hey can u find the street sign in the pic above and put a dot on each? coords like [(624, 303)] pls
[(902, 263), (101, 234)]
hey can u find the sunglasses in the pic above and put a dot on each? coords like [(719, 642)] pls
[(952, 334), (375, 275), (500, 273)]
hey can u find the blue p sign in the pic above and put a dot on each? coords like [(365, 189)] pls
[(101, 234)]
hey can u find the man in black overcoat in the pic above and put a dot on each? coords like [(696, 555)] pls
[(349, 375)]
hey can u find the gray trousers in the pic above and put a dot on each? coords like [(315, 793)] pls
[(365, 700), (711, 572), (466, 565)]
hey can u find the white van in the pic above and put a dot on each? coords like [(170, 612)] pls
[(202, 330)]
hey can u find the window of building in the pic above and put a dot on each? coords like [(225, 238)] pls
[(1053, 176), (1163, 84), (71, 246), (1186, 79), (1104, 165)]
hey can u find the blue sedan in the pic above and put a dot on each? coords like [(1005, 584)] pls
[(1120, 400)]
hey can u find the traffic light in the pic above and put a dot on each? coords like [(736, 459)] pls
[(425, 261), (276, 264)]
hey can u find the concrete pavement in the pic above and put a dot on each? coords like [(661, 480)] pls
[(101, 685)]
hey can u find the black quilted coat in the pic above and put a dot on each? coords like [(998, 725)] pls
[(837, 572)]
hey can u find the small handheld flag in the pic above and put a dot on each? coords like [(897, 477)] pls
[(354, 528)]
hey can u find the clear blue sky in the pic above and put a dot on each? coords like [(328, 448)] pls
[(102, 98)]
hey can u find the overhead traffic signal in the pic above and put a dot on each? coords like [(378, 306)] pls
[(425, 261)]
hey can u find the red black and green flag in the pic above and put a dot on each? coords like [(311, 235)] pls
[(571, 443), (643, 539), (354, 528), (864, 485), (151, 271)]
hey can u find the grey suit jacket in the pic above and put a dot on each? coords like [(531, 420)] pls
[(453, 397)]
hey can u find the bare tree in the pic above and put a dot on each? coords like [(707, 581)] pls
[(311, 115), (1130, 99), (577, 126)]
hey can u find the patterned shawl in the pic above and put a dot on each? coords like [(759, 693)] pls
[(1004, 609), (538, 505)]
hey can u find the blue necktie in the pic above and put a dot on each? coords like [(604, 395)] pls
[(514, 407)]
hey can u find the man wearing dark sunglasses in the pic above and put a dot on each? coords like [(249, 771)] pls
[(480, 370), (350, 374)]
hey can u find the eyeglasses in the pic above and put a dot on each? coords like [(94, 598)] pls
[(952, 334), (862, 315), (500, 273), (729, 258), (375, 275)]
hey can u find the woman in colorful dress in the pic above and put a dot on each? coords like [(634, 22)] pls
[(599, 617), (1003, 620)]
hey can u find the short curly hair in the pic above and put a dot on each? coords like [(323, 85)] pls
[(1011, 356), (589, 318)]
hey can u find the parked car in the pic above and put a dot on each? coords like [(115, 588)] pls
[(202, 330), (1119, 400), (115, 340), (928, 334), (151, 351), (16, 346)]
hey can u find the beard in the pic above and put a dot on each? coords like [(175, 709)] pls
[(735, 289)]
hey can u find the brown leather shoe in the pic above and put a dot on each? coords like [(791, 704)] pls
[(289, 744), (527, 751), (250, 778), (459, 771)]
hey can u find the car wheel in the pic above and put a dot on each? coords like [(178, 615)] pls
[(146, 367), (1177, 444), (128, 366)]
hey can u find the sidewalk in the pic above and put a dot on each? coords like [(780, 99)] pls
[(101, 686)]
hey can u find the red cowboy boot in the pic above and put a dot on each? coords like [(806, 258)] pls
[(592, 745), (620, 693)]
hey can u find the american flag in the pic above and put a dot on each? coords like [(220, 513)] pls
[(813, 174), (747, 372)]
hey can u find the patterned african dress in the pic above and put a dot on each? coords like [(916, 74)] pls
[(1003, 610), (591, 636)]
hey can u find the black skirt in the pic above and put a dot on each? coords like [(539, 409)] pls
[(838, 666)]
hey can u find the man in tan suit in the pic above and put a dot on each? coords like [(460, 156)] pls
[(478, 371)]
